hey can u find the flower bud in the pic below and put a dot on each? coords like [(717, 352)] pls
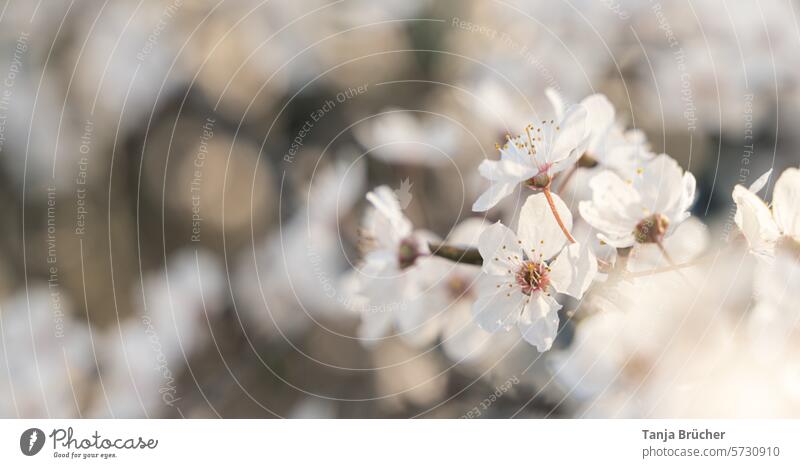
[(539, 181)]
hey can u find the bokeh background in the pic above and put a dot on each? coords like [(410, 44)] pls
[(181, 182)]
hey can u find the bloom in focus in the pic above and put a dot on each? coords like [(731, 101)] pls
[(522, 271), (534, 157)]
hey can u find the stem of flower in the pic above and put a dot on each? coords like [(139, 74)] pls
[(552, 204), (469, 256)]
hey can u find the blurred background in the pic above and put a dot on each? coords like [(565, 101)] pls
[(181, 182)]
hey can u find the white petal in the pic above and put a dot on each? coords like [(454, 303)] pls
[(572, 158), (389, 221), (662, 187), (539, 321), (608, 189), (496, 244), (538, 229), (571, 134), (556, 101), (755, 221), (513, 152), (614, 229), (497, 308), (786, 202), (573, 270), (492, 196), (506, 170), (618, 241), (760, 183), (505, 175), (599, 113)]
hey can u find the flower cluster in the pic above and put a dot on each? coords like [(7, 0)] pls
[(583, 259)]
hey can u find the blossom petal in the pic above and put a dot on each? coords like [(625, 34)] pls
[(505, 175), (492, 196), (391, 223), (760, 183), (599, 113), (755, 221), (786, 202), (557, 101), (497, 308), (539, 321), (573, 271), (538, 229), (496, 244), (506, 170), (662, 187), (571, 134)]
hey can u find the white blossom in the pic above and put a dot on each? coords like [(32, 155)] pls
[(523, 269), (606, 141), (392, 275), (763, 226), (535, 157), (449, 292), (643, 209)]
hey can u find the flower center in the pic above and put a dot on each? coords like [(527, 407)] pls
[(541, 180), (407, 253), (651, 230), (533, 276)]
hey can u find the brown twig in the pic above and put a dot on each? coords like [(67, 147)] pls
[(655, 271), (470, 256)]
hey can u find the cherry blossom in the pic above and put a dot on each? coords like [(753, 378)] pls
[(522, 271), (606, 141), (446, 302), (767, 228), (392, 275), (534, 157), (643, 209)]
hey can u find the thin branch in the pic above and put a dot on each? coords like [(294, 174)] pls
[(470, 256), (655, 271)]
